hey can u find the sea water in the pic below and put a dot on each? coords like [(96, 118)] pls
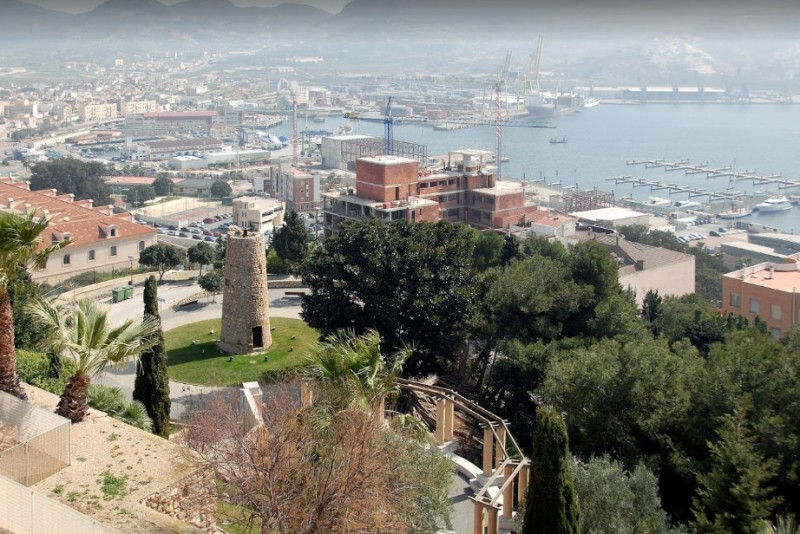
[(754, 137)]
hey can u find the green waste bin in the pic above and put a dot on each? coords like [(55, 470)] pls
[(117, 294), (128, 292)]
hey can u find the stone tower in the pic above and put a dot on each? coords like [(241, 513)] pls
[(245, 308)]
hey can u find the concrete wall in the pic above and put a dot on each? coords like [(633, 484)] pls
[(675, 279)]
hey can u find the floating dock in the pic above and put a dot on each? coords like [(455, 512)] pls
[(721, 172)]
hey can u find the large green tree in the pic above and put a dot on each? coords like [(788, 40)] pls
[(162, 257), (84, 331), (20, 245), (140, 194), (213, 282), (201, 254), (70, 175), (412, 283), (552, 505), (162, 185), (291, 240), (151, 386), (221, 188)]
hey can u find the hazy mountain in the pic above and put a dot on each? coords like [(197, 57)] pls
[(655, 40)]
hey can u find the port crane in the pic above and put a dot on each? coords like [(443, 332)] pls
[(388, 122)]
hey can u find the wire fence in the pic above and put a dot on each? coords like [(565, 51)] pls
[(36, 442), (23, 511)]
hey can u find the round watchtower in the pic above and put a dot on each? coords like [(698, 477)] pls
[(245, 308)]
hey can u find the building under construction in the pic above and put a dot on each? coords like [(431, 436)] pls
[(342, 151), (573, 200)]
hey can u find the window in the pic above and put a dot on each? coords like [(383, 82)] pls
[(736, 300), (66, 259), (113, 232), (776, 332), (141, 246), (775, 311), (755, 306), (113, 251), (91, 255)]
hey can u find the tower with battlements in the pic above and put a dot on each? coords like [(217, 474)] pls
[(245, 308)]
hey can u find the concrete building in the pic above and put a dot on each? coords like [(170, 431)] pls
[(768, 290), (392, 188), (261, 215), (193, 187), (245, 306), (137, 106), (120, 185), (181, 147), (171, 121), (97, 112), (331, 150), (102, 240), (612, 217), (297, 188)]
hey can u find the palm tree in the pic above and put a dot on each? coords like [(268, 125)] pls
[(21, 245), (85, 333), (355, 365)]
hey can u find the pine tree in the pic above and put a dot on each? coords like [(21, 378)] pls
[(735, 495), (152, 381), (552, 505)]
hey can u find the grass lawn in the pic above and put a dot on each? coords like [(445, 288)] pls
[(204, 364)]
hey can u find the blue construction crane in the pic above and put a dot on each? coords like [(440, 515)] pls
[(389, 134)]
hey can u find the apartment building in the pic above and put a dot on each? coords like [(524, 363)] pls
[(466, 190), (137, 106), (297, 188), (768, 290), (101, 239), (97, 112), (258, 214)]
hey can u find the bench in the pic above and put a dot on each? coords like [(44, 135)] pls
[(185, 304), (295, 293)]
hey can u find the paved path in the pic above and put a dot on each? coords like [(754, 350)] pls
[(183, 396)]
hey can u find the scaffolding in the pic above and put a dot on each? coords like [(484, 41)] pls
[(576, 200), (368, 148)]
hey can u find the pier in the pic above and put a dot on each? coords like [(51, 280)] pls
[(702, 168), (674, 189)]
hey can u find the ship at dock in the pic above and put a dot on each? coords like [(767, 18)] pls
[(546, 104)]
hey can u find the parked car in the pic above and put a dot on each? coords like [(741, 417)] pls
[(197, 236), (207, 232), (714, 233), (184, 235), (208, 220), (197, 231), (722, 230), (209, 239), (217, 218)]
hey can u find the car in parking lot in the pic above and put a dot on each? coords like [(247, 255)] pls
[(183, 234), (197, 236), (714, 233), (197, 231), (683, 239), (209, 239), (161, 231), (208, 220), (722, 230), (207, 232)]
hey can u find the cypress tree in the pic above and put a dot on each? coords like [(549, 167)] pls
[(152, 381), (552, 506)]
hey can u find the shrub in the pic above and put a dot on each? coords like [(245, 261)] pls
[(33, 369)]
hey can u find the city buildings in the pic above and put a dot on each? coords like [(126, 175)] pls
[(258, 214), (391, 188), (97, 112), (101, 239), (767, 290), (297, 188)]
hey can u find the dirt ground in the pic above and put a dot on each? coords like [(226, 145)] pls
[(104, 446)]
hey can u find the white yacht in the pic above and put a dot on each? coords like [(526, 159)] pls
[(780, 203)]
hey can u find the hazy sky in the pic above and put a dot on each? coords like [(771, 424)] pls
[(79, 6)]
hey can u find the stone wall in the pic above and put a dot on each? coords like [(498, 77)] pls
[(192, 499)]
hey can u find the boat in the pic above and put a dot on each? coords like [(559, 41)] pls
[(780, 203), (558, 140), (543, 104), (735, 213)]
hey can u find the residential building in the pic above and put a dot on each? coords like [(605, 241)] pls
[(645, 268), (394, 188), (258, 214), (297, 188), (97, 112), (137, 106), (768, 290), (101, 239)]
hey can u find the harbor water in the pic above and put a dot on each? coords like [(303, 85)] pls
[(751, 137)]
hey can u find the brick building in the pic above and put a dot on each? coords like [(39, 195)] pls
[(393, 188), (767, 290), (297, 188)]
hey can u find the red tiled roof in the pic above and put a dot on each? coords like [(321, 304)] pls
[(78, 218)]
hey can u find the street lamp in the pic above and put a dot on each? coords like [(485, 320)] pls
[(131, 260)]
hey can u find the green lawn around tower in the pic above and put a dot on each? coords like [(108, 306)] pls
[(204, 364)]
